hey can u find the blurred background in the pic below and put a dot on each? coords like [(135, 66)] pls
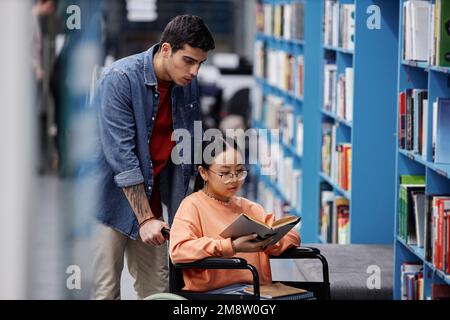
[(52, 53)]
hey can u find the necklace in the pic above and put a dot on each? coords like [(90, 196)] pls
[(225, 203)]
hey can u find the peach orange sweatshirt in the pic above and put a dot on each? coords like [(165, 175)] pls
[(195, 235)]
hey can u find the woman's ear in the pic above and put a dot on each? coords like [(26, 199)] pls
[(203, 173)]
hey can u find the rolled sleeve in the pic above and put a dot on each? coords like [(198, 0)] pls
[(129, 178)]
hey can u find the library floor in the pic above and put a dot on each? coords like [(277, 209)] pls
[(351, 267)]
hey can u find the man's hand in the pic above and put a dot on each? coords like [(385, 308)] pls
[(248, 244), (151, 234)]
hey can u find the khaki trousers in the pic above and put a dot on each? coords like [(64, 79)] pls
[(148, 265)]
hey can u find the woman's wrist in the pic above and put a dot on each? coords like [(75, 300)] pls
[(233, 246)]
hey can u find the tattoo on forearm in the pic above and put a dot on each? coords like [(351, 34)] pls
[(138, 201)]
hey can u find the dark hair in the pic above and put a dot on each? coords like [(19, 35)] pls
[(221, 144), (188, 29)]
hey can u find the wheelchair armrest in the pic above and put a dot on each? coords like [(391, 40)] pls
[(214, 263), (223, 263), (298, 253)]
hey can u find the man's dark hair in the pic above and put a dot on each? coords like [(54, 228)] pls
[(188, 29)]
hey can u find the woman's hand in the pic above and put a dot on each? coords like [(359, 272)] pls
[(248, 244)]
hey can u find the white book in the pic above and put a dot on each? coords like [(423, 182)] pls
[(349, 94), (425, 129), (420, 14), (287, 13), (407, 30), (335, 26), (431, 53)]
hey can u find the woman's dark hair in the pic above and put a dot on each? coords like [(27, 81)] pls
[(188, 29), (215, 144)]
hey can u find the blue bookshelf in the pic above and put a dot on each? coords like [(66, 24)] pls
[(310, 48), (436, 80), (371, 132)]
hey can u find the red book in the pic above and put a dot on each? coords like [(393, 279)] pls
[(402, 120), (447, 241)]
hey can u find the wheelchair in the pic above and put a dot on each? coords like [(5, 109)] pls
[(321, 290)]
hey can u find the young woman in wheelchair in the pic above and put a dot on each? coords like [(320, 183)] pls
[(214, 205)]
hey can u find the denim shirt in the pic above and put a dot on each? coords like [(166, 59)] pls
[(127, 99)]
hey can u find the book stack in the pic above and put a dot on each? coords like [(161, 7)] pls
[(334, 217), (426, 32), (328, 145), (344, 92), (339, 25), (412, 281), (329, 87), (281, 20), (411, 191), (326, 213), (347, 27), (271, 202), (342, 170), (438, 247), (284, 71), (331, 23), (415, 29), (413, 121)]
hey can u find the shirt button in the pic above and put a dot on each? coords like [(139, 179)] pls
[(156, 95), (149, 188), (153, 118), (191, 106)]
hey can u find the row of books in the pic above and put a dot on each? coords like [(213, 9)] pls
[(339, 25), (413, 286), (411, 281), (336, 157), (424, 220), (282, 116), (414, 114), (283, 173), (334, 217), (285, 20), (426, 31), (270, 202), (338, 92), (281, 69)]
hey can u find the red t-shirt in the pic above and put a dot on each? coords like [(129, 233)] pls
[(161, 145)]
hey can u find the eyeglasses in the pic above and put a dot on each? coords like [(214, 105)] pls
[(226, 178)]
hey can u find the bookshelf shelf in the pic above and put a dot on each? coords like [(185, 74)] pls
[(426, 66), (336, 188), (337, 118), (337, 49), (432, 82), (419, 253), (441, 169), (266, 37), (268, 88)]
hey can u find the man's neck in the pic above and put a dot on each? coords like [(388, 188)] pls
[(160, 73)]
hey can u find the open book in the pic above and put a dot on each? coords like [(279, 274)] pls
[(278, 291), (245, 225)]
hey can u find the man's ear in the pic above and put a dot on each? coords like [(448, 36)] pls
[(166, 50)]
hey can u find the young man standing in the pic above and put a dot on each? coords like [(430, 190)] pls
[(142, 100)]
